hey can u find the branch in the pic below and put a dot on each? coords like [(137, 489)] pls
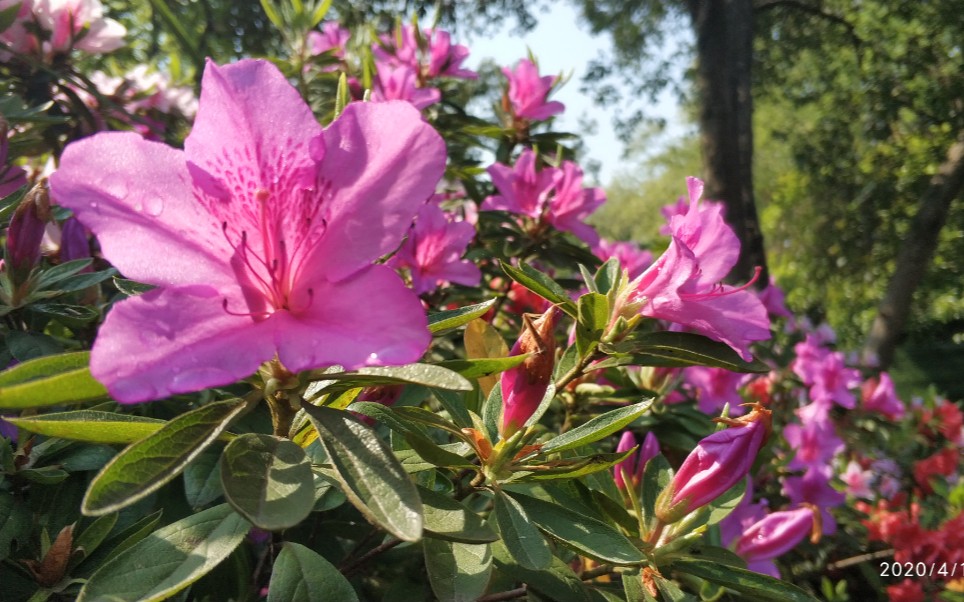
[(512, 594), (816, 11)]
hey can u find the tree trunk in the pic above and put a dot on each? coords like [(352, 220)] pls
[(724, 48), (915, 255)]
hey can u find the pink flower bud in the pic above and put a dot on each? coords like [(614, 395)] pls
[(524, 386), (633, 466), (777, 533), (74, 243), (715, 465)]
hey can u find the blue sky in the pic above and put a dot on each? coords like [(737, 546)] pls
[(562, 43)]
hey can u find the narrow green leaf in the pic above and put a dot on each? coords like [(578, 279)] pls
[(370, 475), (132, 288), (586, 535), (557, 582), (591, 322), (74, 386), (320, 11), (90, 539), (454, 404), (492, 413), (41, 367), (300, 574), (48, 278), (79, 282), (119, 543), (677, 349), (480, 367), (267, 480), (526, 545), (542, 285), (450, 319), (144, 467), (342, 94), (457, 572), (597, 428), (608, 275), (547, 398), (656, 477), (722, 506), (451, 520), (92, 426), (417, 374), (751, 585), (571, 468), (168, 560)]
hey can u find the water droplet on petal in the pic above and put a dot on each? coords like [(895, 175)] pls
[(138, 207), (116, 186)]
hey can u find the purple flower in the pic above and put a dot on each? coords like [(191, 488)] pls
[(522, 189), (400, 82), (437, 57), (524, 386), (571, 204), (774, 300), (77, 24), (879, 395), (683, 285), (332, 38), (527, 94), (633, 259), (74, 243), (433, 250), (8, 430), (813, 487), (832, 381), (815, 443), (260, 236), (716, 387), (715, 465)]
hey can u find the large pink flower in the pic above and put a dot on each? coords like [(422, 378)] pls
[(528, 92), (523, 189), (682, 286), (572, 204), (260, 236)]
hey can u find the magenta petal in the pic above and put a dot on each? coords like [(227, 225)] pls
[(253, 130), (136, 197), (175, 340), (368, 319), (383, 162)]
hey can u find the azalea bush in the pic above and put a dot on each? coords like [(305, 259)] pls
[(338, 329)]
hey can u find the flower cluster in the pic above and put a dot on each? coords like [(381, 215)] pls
[(46, 28)]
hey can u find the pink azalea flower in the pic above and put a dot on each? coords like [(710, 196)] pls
[(445, 58), (858, 481), (879, 395), (528, 92), (571, 204), (433, 250), (746, 513), (716, 387), (774, 300), (332, 37), (809, 355), (813, 487), (833, 381), (523, 189), (399, 82), (440, 58), (633, 466), (16, 37), (682, 286), (633, 259), (815, 443), (78, 24), (260, 236)]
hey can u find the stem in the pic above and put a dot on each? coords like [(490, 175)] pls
[(512, 594), (599, 571), (842, 564), (575, 372), (357, 564)]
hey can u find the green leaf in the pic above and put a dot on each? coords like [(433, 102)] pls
[(547, 398), (656, 477), (91, 426), (300, 574), (144, 467), (445, 321), (47, 381), (78, 282), (750, 585), (58, 273), (15, 522), (492, 413), (454, 404), (90, 539), (132, 288), (41, 367), (677, 349), (168, 560), (448, 519), (202, 479), (119, 543), (417, 374), (457, 572), (25, 346), (571, 468), (591, 322), (370, 475), (74, 316), (524, 542), (722, 506), (608, 275), (267, 480), (542, 285), (586, 535), (597, 428), (480, 367)]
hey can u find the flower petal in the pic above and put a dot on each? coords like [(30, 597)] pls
[(136, 197), (383, 162), (368, 319), (176, 340)]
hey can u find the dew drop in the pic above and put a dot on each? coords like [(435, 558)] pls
[(138, 207), (116, 186)]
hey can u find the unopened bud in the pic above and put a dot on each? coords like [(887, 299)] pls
[(26, 232), (633, 466), (777, 533), (717, 463), (524, 386)]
